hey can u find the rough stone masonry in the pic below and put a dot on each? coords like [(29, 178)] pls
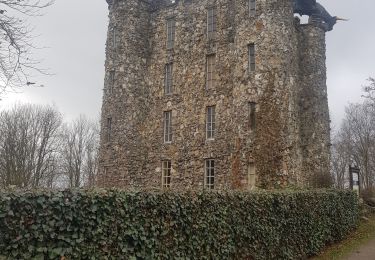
[(213, 94)]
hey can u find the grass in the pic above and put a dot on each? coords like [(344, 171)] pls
[(364, 233)]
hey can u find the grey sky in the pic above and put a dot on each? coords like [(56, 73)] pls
[(75, 32)]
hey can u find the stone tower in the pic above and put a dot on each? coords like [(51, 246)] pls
[(223, 94)]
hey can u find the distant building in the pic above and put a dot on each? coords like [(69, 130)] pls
[(213, 94)]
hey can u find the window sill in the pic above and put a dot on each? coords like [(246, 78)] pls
[(170, 97), (171, 4), (251, 74), (212, 39)]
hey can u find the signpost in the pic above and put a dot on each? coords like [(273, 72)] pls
[(354, 178)]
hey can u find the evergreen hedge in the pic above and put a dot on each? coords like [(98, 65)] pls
[(139, 225)]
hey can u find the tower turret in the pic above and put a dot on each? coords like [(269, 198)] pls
[(314, 111), (125, 93)]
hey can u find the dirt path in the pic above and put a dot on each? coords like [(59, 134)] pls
[(365, 252)]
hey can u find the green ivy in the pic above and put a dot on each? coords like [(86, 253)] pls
[(112, 224)]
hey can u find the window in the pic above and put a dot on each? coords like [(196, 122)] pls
[(168, 126), (252, 113), (171, 31), (210, 122), (111, 81), (211, 22), (166, 174), (252, 7), (114, 37), (109, 129), (251, 57), (209, 178), (105, 170), (251, 176), (168, 79), (210, 71)]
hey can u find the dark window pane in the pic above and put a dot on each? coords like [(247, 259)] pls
[(252, 57), (252, 115)]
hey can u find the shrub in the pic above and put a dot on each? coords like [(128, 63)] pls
[(115, 224)]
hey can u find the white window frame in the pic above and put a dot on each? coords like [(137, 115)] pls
[(211, 22), (252, 8), (209, 174), (114, 37), (251, 57), (210, 71), (171, 32), (166, 171), (168, 127), (210, 122), (251, 176), (168, 81)]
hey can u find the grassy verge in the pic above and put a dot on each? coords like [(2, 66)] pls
[(364, 234)]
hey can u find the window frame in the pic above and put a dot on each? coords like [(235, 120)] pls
[(171, 32), (114, 37), (112, 78), (209, 174), (251, 175), (251, 57), (252, 8), (166, 174), (210, 122), (211, 22), (252, 106), (210, 70), (167, 126), (105, 170), (109, 129), (168, 79)]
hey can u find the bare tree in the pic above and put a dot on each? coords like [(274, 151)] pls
[(16, 62), (370, 90), (92, 152), (340, 159), (356, 142), (29, 141), (79, 153)]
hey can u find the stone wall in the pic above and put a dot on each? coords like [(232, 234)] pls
[(314, 119), (284, 145), (121, 156)]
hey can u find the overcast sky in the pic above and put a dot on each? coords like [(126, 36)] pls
[(75, 33)]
